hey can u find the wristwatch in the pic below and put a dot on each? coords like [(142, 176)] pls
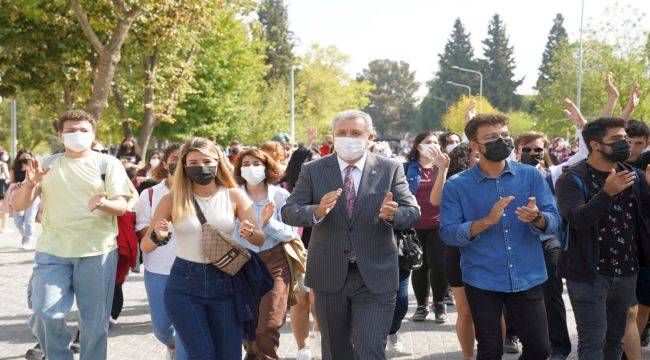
[(537, 218), (102, 202)]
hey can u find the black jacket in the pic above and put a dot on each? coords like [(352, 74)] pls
[(578, 263)]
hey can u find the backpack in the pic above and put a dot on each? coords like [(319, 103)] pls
[(565, 226)]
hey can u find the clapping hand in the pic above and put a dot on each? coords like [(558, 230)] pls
[(388, 208), (616, 183), (268, 211), (327, 203), (610, 89), (529, 212), (498, 209), (34, 174), (470, 111), (246, 229), (635, 95), (161, 229)]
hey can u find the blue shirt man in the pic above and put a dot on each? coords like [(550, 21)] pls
[(495, 213)]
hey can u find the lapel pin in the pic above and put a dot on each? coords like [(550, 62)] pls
[(373, 172)]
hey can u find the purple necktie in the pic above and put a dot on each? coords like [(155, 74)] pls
[(350, 193)]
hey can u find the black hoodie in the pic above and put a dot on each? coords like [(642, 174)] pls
[(578, 263)]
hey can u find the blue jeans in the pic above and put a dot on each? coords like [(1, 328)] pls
[(55, 282), (402, 304), (163, 329), (600, 310), (26, 222), (203, 312)]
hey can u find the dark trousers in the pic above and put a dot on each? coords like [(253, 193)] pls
[(555, 309), (525, 308), (118, 302), (600, 310), (203, 312), (431, 277), (354, 315), (402, 302)]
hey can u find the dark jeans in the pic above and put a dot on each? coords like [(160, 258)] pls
[(118, 302), (525, 308), (203, 311), (432, 273), (600, 310), (402, 303), (555, 309)]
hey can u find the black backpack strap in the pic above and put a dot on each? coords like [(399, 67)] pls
[(199, 212)]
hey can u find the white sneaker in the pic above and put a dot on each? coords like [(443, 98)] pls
[(304, 354), (394, 344), (170, 354), (28, 246)]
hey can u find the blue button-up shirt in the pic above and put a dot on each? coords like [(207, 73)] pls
[(275, 231), (508, 256)]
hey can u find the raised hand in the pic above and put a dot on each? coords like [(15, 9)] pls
[(439, 158), (327, 203), (616, 183), (529, 212), (268, 211), (96, 201), (635, 95), (573, 113), (246, 229), (470, 110), (34, 174), (161, 229), (610, 89), (312, 133), (498, 208), (388, 207)]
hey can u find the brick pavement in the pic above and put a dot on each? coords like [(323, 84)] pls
[(131, 338)]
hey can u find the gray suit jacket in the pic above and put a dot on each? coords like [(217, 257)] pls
[(372, 238)]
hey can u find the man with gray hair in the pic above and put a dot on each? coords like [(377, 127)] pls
[(352, 200)]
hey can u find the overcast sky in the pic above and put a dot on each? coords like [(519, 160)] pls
[(416, 31)]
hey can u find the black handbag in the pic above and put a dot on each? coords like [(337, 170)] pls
[(410, 252)]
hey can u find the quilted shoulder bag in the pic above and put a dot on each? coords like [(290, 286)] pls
[(219, 248)]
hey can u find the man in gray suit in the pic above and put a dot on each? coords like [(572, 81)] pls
[(352, 200)]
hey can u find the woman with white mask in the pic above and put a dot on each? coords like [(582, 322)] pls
[(255, 171)]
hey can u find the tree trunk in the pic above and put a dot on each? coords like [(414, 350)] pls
[(102, 84), (148, 119), (127, 129)]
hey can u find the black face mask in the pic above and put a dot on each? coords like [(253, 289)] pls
[(171, 168), (532, 159), (201, 175), (621, 151), (498, 150)]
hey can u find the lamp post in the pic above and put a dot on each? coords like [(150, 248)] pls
[(480, 86), (469, 89), (441, 99), (293, 103), (14, 128)]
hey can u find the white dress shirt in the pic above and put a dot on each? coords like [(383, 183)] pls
[(356, 173)]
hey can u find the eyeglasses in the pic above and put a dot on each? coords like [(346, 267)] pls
[(536, 150)]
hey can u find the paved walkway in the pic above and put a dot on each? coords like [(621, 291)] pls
[(131, 338)]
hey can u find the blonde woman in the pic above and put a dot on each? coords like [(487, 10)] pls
[(199, 298)]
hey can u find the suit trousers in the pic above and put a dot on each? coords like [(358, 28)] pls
[(354, 322)]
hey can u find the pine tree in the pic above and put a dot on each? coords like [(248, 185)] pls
[(458, 52), (498, 67), (279, 51), (557, 38)]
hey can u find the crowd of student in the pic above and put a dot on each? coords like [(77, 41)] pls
[(501, 221)]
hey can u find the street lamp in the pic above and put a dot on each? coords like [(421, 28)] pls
[(469, 89), (293, 102), (480, 90), (579, 91), (441, 99)]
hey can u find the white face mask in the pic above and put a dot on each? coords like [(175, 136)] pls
[(348, 148), (253, 174), (426, 150), (5, 157), (78, 141), (154, 162), (449, 148)]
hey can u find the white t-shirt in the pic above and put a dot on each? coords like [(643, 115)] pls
[(160, 260)]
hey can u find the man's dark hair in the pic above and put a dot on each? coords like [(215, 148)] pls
[(75, 115), (471, 129), (597, 129), (637, 128)]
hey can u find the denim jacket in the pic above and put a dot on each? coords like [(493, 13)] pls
[(413, 175), (508, 256)]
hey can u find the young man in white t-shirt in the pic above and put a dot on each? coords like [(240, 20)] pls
[(83, 193)]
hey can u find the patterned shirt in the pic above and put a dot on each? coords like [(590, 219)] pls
[(618, 232)]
